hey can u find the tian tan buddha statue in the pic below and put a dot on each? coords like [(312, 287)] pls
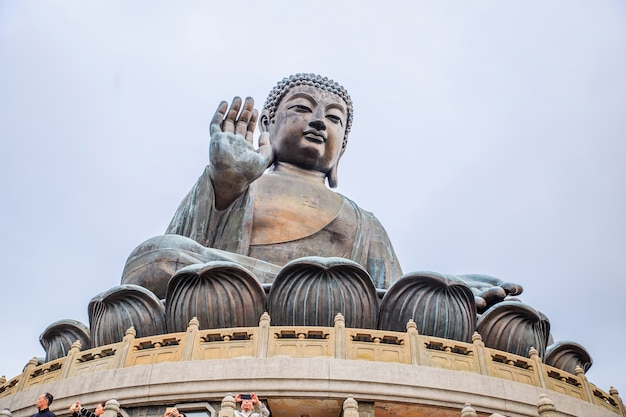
[(265, 208), (237, 213), (260, 231)]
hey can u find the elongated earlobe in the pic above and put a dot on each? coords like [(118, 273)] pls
[(264, 121), (332, 176)]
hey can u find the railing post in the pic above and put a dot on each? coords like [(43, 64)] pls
[(122, 354), (481, 353), (264, 336), (534, 355), (422, 356), (340, 336), (586, 388), (468, 411), (615, 395), (191, 338), (545, 407), (227, 408), (350, 407), (28, 369), (111, 408), (70, 359), (416, 353)]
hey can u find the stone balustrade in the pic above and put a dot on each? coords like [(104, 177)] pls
[(338, 342), (545, 408)]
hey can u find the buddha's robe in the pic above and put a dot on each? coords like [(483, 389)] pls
[(278, 219)]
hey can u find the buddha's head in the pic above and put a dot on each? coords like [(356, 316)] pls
[(308, 118)]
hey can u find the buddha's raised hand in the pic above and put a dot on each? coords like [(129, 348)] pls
[(234, 162)]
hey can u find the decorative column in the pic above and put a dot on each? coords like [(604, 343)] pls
[(191, 337), (479, 346), (414, 343), (580, 373), (340, 336), (615, 395), (264, 336), (534, 355), (545, 407), (70, 358), (350, 407), (468, 411), (111, 408), (28, 370), (122, 353), (227, 408)]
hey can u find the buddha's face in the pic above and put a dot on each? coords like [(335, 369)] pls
[(308, 128)]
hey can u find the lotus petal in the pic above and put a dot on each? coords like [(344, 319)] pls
[(310, 291), (220, 294), (58, 338), (440, 305), (112, 312), (567, 356), (514, 327)]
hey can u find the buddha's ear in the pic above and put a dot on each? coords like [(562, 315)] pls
[(332, 176), (264, 121)]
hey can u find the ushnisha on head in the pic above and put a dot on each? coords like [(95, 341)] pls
[(309, 118)]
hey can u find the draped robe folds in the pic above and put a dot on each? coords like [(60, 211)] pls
[(207, 234)]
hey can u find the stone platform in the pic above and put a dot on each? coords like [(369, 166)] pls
[(306, 371)]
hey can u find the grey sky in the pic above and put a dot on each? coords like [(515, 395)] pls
[(489, 137)]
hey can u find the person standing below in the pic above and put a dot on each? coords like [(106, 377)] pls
[(247, 406), (78, 411), (43, 405)]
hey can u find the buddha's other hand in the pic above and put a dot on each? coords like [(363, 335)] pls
[(489, 290)]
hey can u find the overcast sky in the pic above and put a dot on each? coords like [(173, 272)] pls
[(489, 137)]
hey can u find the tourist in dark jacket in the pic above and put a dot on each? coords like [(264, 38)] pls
[(43, 405)]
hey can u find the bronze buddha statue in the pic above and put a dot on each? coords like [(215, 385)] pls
[(264, 207)]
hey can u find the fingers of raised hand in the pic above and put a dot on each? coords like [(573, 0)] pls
[(235, 119), (218, 118), (243, 122), (251, 125), (228, 125)]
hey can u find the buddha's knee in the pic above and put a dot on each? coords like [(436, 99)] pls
[(153, 262)]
